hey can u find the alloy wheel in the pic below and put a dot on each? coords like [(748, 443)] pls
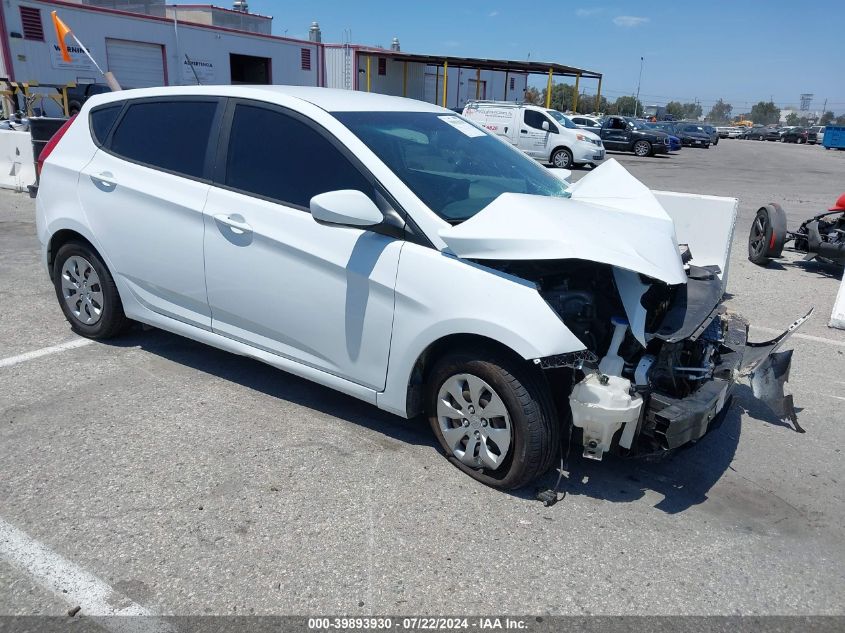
[(758, 235)]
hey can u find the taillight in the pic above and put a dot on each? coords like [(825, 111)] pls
[(51, 145)]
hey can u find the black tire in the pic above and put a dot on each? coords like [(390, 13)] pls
[(767, 235), (642, 148), (535, 428), (561, 158), (112, 320), (716, 142)]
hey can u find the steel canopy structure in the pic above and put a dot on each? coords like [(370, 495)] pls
[(550, 69)]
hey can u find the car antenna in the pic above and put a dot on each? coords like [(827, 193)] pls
[(193, 70)]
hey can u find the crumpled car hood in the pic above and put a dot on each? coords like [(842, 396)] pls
[(610, 218)]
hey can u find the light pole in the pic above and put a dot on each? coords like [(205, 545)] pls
[(639, 81)]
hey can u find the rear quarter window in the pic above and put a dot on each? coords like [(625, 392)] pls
[(168, 135), (102, 120)]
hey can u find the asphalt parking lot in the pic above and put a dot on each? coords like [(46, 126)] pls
[(186, 480)]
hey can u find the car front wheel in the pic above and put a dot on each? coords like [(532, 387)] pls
[(493, 418), (87, 293), (562, 158), (642, 148)]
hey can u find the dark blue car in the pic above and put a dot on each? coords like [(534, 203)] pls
[(674, 142)]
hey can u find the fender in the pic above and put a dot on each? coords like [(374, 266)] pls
[(439, 295)]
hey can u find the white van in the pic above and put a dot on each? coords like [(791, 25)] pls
[(544, 134)]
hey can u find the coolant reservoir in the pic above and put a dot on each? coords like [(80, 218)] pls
[(601, 405)]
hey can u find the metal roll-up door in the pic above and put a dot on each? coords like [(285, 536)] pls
[(136, 64)]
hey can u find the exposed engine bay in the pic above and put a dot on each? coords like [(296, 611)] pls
[(637, 277), (637, 399)]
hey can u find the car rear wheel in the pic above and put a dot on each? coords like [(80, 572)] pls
[(562, 158), (768, 234), (87, 293), (493, 418), (642, 148)]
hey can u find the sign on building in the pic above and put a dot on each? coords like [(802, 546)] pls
[(203, 68), (79, 60)]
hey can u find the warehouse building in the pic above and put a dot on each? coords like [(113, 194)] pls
[(145, 49), (149, 43)]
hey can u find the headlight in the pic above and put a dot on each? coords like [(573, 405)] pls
[(581, 137)]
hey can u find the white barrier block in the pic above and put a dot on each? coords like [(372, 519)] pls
[(17, 168), (837, 318)]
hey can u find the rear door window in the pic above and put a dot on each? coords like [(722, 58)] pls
[(169, 135), (277, 156)]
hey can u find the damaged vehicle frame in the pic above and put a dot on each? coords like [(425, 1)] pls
[(432, 268)]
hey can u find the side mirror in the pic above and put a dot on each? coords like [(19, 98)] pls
[(345, 207), (545, 125)]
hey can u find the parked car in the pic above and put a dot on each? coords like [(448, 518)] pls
[(675, 144), (762, 134), (626, 134), (815, 134), (394, 251), (587, 122), (794, 135), (714, 134), (691, 134), (546, 135)]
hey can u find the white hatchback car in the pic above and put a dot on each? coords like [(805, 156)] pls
[(394, 251)]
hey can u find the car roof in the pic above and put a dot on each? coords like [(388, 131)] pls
[(330, 99)]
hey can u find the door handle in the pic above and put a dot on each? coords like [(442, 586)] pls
[(104, 181), (238, 226), (523, 131)]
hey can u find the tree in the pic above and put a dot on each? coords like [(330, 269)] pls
[(720, 112), (676, 109), (792, 119), (628, 105), (765, 112), (692, 110), (827, 117), (562, 96), (532, 95)]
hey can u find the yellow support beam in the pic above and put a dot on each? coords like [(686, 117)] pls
[(575, 100), (405, 79), (549, 90), (368, 72), (598, 97), (445, 80)]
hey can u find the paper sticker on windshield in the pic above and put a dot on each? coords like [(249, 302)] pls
[(462, 126)]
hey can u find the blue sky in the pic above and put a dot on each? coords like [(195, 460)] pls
[(740, 50)]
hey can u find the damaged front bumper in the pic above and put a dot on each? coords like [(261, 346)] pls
[(616, 415)]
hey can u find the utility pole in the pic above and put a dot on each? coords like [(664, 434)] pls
[(639, 81)]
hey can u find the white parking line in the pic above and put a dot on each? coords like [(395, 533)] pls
[(72, 583), (44, 351), (806, 337)]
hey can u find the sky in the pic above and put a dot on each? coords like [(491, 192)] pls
[(741, 51)]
